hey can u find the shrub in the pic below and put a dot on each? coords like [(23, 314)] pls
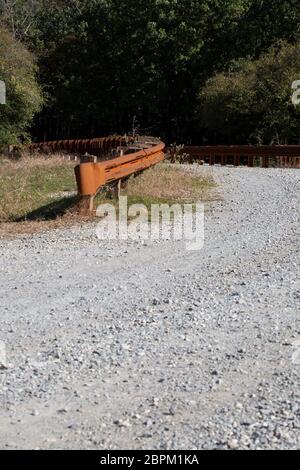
[(23, 94), (252, 102)]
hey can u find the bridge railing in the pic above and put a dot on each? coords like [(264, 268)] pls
[(264, 156)]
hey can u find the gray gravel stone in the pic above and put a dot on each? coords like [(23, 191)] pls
[(203, 347)]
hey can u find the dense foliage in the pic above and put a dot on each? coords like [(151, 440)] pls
[(253, 103), (106, 65), (23, 95)]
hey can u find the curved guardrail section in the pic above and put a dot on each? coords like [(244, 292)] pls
[(129, 156), (98, 147), (91, 176)]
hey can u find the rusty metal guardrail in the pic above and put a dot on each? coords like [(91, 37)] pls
[(91, 176), (283, 155), (120, 157), (128, 156), (98, 147)]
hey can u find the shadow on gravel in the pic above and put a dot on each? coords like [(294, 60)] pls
[(50, 211)]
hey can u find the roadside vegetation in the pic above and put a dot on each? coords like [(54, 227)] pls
[(169, 184), (253, 100), (108, 66), (29, 188), (39, 193), (23, 93)]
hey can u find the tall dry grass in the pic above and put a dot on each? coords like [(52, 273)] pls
[(170, 183), (28, 183)]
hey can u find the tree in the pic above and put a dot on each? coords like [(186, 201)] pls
[(23, 94), (18, 16), (104, 63), (252, 103)]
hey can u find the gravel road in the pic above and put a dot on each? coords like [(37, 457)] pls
[(129, 346)]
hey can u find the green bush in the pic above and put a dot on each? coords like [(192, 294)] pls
[(253, 100), (23, 94)]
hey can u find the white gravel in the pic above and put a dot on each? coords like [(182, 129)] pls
[(120, 345)]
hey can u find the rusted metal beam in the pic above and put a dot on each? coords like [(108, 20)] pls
[(286, 155), (99, 147), (92, 176), (245, 150)]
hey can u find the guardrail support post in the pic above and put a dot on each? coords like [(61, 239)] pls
[(86, 204), (250, 161), (212, 159), (265, 162), (237, 160)]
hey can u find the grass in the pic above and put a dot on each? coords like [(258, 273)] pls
[(32, 183), (35, 192), (166, 183), (170, 184)]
